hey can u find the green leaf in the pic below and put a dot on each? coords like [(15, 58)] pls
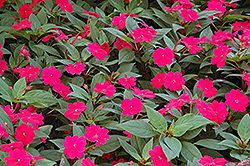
[(76, 22), (126, 55), (118, 4), (98, 78), (238, 155), (58, 142), (78, 130), (112, 144), (4, 117), (130, 149), (74, 54), (79, 92), (157, 119), (94, 32), (189, 151), (211, 144), (35, 22), (116, 33), (244, 128), (131, 24), (40, 98), (167, 151), (4, 89), (206, 32), (19, 88), (48, 49), (174, 145), (138, 128), (176, 27), (147, 147), (20, 33), (45, 162)]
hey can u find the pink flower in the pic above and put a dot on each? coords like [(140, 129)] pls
[(11, 146), (97, 51), (75, 109), (131, 106), (163, 56), (91, 13), (34, 118), (10, 112), (220, 56), (25, 10), (129, 135), (24, 52), (219, 37), (31, 109), (209, 161), (179, 102), (158, 157), (51, 76), (174, 81), (105, 88), (77, 68), (65, 5), (142, 35), (120, 44), (144, 93), (25, 133), (220, 110), (207, 88), (189, 15), (246, 78), (3, 132), (87, 31), (29, 72), (96, 133), (185, 4), (105, 47), (119, 161), (1, 3), (205, 109), (127, 82), (3, 67), (158, 80), (119, 20), (216, 6), (236, 101), (1, 52), (35, 2), (74, 146), (238, 26), (18, 157), (23, 24), (191, 43), (62, 90), (88, 162)]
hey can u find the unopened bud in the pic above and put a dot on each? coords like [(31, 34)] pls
[(85, 86), (93, 147), (238, 142), (28, 87), (101, 107), (11, 88)]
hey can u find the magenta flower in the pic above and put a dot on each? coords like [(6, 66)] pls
[(246, 78), (11, 146), (24, 52), (119, 21), (236, 100), (74, 110), (179, 102), (3, 67), (62, 90), (29, 72), (32, 118), (220, 110), (10, 113), (18, 157), (174, 81), (219, 37), (127, 82), (74, 146), (25, 10), (191, 43), (120, 44), (209, 161), (216, 6), (105, 88), (220, 56), (3, 132), (23, 24), (96, 133), (88, 162), (97, 51), (91, 13), (189, 15), (207, 88), (51, 76), (142, 35), (77, 68), (25, 133), (205, 109), (35, 2), (144, 93), (158, 80), (65, 5), (131, 106), (158, 157), (1, 52), (163, 56)]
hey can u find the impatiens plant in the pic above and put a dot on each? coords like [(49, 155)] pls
[(124, 82)]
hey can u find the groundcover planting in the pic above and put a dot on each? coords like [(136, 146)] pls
[(124, 82)]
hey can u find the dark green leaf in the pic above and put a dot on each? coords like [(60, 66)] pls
[(130, 149)]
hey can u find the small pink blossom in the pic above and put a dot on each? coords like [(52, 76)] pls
[(29, 72), (131, 106), (105, 88), (174, 81), (158, 80), (51, 76), (120, 44), (119, 21), (144, 93), (91, 13), (220, 56), (220, 111), (209, 161), (18, 157), (31, 118), (25, 133), (35, 2), (25, 10), (191, 43), (3, 66), (163, 56), (96, 133), (97, 51), (88, 162), (158, 157), (75, 109), (236, 100), (3, 132), (11, 146), (65, 5), (77, 68), (207, 88), (74, 146), (62, 90), (23, 24), (10, 113), (119, 161), (141, 35), (127, 82), (189, 15), (24, 52)]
